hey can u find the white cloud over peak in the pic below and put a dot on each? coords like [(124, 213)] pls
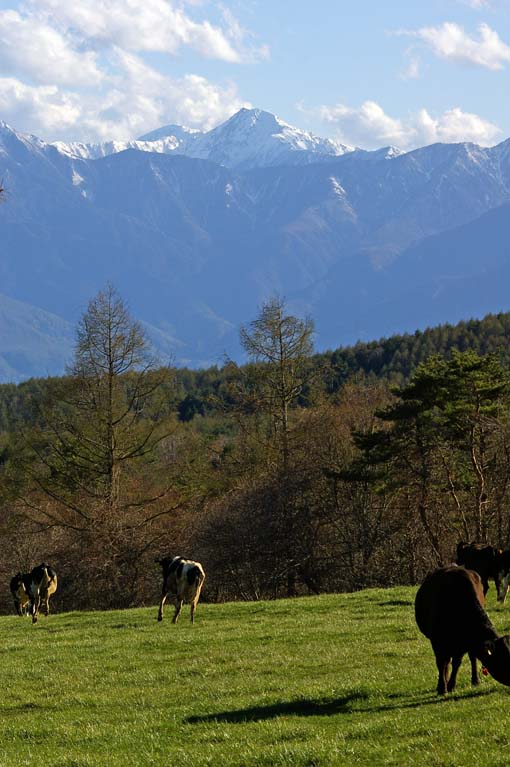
[(450, 41), (370, 127), (80, 70), (138, 100), (145, 97)]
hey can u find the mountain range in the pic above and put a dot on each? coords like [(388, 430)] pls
[(197, 229)]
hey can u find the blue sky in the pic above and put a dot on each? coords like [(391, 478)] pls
[(366, 72)]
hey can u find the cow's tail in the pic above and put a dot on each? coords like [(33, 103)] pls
[(196, 577)]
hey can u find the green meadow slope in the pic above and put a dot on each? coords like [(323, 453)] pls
[(318, 682)]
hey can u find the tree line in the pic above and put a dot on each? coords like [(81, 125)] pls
[(206, 391), (294, 473)]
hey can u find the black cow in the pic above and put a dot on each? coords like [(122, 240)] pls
[(449, 610), (489, 563), (34, 589), (184, 579)]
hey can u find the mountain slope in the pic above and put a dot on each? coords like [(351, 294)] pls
[(33, 342), (195, 246), (462, 273)]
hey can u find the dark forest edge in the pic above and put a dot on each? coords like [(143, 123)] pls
[(295, 473)]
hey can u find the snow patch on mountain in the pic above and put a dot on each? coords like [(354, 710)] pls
[(337, 187), (76, 178), (181, 133), (165, 145)]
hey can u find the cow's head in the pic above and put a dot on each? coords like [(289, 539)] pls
[(495, 656), (164, 563)]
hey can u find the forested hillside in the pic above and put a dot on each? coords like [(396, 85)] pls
[(200, 392), (294, 473)]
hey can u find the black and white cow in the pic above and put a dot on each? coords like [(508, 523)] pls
[(34, 590), (19, 586), (183, 579)]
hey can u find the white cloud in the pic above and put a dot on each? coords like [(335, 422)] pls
[(412, 69), (77, 70), (136, 99), (370, 127), (450, 41), (143, 99), (477, 4), (369, 124), (455, 125), (153, 25), (240, 37), (32, 48), (45, 107)]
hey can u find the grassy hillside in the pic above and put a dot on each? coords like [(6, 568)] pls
[(331, 680)]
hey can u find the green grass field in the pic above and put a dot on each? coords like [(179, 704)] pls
[(333, 680)]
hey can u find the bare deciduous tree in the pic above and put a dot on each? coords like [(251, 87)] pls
[(97, 435)]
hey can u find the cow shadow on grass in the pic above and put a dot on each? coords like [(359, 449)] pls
[(300, 707), (396, 701), (333, 707)]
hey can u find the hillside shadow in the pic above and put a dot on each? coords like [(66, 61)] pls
[(301, 707)]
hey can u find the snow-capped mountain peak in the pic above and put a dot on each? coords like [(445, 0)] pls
[(10, 137), (254, 138), (250, 138)]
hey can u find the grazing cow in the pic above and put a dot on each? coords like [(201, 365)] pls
[(183, 579), (34, 589), (18, 586), (449, 610), (488, 562)]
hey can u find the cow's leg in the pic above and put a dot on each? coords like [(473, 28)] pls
[(456, 661), (193, 608), (45, 605), (178, 607), (485, 582), (497, 582), (163, 600), (442, 662), (34, 607), (475, 679), (504, 588)]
